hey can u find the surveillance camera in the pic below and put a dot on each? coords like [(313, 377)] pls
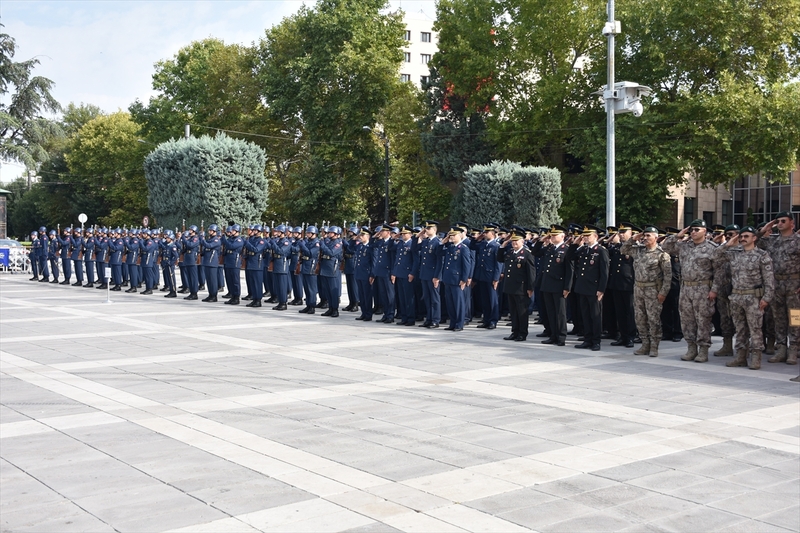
[(637, 109)]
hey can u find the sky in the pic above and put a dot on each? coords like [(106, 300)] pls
[(102, 52)]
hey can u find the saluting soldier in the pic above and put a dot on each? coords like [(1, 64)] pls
[(52, 254), (234, 247), (330, 274), (101, 248), (281, 250), (622, 279), (402, 277), (254, 268), (383, 289), (653, 272), (430, 270), (210, 261), (309, 256), (591, 278), (88, 260), (486, 275), (350, 269), (723, 279), (65, 244), (753, 283), (362, 271), (784, 249), (148, 248), (169, 258), (456, 268), (697, 276), (519, 278), (132, 244), (556, 274)]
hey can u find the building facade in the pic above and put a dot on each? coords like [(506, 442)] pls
[(421, 44)]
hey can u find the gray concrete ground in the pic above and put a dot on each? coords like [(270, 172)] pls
[(165, 415)]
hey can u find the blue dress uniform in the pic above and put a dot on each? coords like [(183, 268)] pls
[(362, 272), (88, 257), (382, 254), (429, 257), (556, 274), (234, 244), (76, 249), (149, 254), (456, 270), (295, 275), (169, 258), (309, 256), (591, 277), (330, 275), (210, 262), (64, 246), (191, 245), (486, 276), (268, 288), (126, 234), (403, 269), (52, 254), (116, 246), (133, 245), (42, 255), (101, 257), (254, 248), (350, 270), (280, 249)]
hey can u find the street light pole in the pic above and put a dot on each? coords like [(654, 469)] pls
[(611, 166)]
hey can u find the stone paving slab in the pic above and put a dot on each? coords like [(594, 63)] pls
[(148, 414)]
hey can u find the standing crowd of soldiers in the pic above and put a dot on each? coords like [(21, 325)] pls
[(621, 283)]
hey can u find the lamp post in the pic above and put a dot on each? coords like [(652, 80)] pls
[(385, 139)]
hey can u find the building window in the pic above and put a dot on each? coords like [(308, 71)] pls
[(407, 35), (727, 212), (688, 211), (424, 80), (425, 37), (426, 58), (405, 77), (708, 216), (407, 57)]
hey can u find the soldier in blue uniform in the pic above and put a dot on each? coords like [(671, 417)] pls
[(101, 257), (148, 250), (234, 245), (456, 269), (519, 281), (254, 248), (75, 251), (330, 275), (350, 269), (591, 279), (116, 246), (65, 244), (487, 276), (191, 243), (169, 257), (43, 251), (296, 274), (309, 256), (132, 246), (556, 273), (88, 256), (36, 249), (382, 252), (403, 277), (362, 271), (429, 258), (52, 254), (280, 247), (210, 261), (269, 289)]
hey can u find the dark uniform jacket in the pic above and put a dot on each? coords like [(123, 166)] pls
[(591, 269), (520, 271), (620, 275), (556, 267)]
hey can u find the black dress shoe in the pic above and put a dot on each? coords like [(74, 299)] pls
[(192, 296), (433, 326), (637, 339), (183, 291), (543, 334), (327, 313), (677, 338), (233, 301), (595, 347), (164, 289), (171, 294), (304, 310), (124, 283), (425, 325), (334, 313), (548, 341), (458, 329), (409, 324), (359, 318), (296, 302), (89, 285), (272, 300), (584, 345), (561, 343), (103, 286), (201, 288), (482, 326), (311, 310), (322, 305), (280, 307), (491, 326), (608, 335), (581, 338), (132, 289), (65, 282), (149, 291), (116, 288), (210, 299), (56, 281), (78, 284), (355, 309), (520, 339), (448, 328), (227, 295), (254, 303), (248, 297), (34, 278), (510, 338)]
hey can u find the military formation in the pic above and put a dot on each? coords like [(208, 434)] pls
[(629, 284)]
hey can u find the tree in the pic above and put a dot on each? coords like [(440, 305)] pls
[(23, 131), (105, 162), (536, 196), (207, 179), (486, 194), (326, 72)]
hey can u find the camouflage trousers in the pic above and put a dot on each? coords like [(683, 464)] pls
[(724, 308), (647, 310), (786, 298), (696, 312), (747, 317)]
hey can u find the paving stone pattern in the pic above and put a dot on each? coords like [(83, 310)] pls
[(148, 414)]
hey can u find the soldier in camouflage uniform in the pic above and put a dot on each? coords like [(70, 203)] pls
[(652, 271), (784, 249), (753, 289), (723, 297), (697, 275)]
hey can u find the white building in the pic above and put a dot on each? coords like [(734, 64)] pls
[(421, 43)]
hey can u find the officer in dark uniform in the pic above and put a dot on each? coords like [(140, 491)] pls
[(148, 248), (519, 280), (330, 275), (610, 329), (254, 269), (573, 301), (65, 245), (383, 289), (591, 279), (621, 280), (556, 281), (234, 245), (487, 275), (101, 257), (456, 272), (280, 248), (309, 256), (88, 259), (670, 312), (403, 277), (210, 261), (169, 257), (132, 245), (428, 249), (295, 272), (116, 247), (52, 254), (349, 269), (191, 245)]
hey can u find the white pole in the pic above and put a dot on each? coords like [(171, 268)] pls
[(610, 148)]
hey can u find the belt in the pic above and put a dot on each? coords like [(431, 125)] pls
[(749, 292), (702, 283), (642, 284), (784, 277), (305, 258), (326, 257)]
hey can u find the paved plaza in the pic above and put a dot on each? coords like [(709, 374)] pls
[(148, 414)]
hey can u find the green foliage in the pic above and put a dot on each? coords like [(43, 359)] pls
[(23, 131), (536, 196), (206, 179), (487, 194)]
